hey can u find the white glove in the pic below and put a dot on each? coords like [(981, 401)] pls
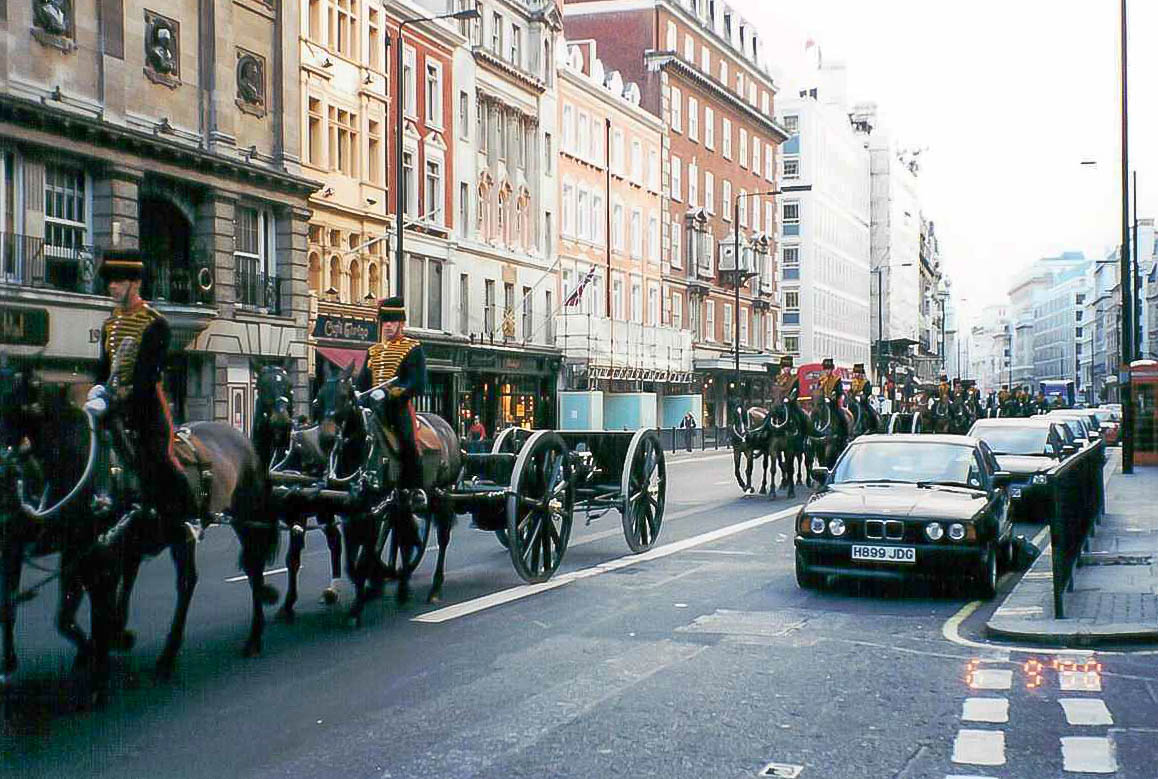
[(97, 402)]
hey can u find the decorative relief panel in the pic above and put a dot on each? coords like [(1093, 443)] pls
[(54, 23), (251, 83), (162, 50)]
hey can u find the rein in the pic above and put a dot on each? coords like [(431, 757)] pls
[(42, 513)]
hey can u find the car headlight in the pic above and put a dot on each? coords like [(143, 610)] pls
[(1040, 478), (817, 525), (934, 531), (956, 531), (836, 527)]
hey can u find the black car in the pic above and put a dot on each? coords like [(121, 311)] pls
[(1026, 448), (907, 506)]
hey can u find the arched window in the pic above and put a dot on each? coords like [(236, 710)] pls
[(372, 279), (484, 212), (335, 277), (501, 217), (356, 293), (548, 66), (315, 273)]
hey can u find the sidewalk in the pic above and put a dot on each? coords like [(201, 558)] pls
[(1115, 596)]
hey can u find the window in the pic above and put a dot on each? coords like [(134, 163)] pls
[(740, 85), (676, 110), (343, 141), (409, 95), (790, 214), (568, 209), (726, 200), (489, 307), (705, 59), (616, 297), (464, 115), (617, 153), (756, 155), (584, 135), (374, 151), (690, 50), (374, 40), (597, 219), (568, 129), (482, 125), (636, 302), (791, 300), (676, 178), (791, 168), (752, 93), (528, 314), (636, 232), (617, 227), (744, 315), (653, 238), (434, 295), (637, 162), (693, 119), (653, 170), (410, 184), (769, 162), (433, 93), (463, 208), (434, 198), (516, 46), (653, 305), (709, 320), (743, 148), (253, 260), (677, 259), (727, 323), (497, 35), (792, 124), (765, 103), (769, 217), (670, 41), (724, 72), (548, 155), (709, 192), (693, 185), (343, 28), (677, 310), (726, 130), (584, 215), (315, 132), (463, 303), (508, 305), (548, 313), (709, 128), (743, 208)]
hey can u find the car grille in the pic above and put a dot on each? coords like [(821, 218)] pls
[(884, 529)]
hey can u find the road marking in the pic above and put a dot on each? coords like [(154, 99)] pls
[(1088, 754), (683, 460), (244, 578), (1086, 711), (476, 605), (990, 679), (1080, 681), (986, 710), (979, 747), (1018, 611)]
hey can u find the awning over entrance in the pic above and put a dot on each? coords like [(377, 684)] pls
[(343, 357)]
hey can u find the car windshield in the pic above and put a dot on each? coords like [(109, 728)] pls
[(908, 462), (1075, 427), (1004, 439)]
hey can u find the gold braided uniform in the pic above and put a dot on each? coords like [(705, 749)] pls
[(383, 359), (118, 327), (857, 384)]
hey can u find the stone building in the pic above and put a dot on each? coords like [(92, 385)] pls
[(175, 133)]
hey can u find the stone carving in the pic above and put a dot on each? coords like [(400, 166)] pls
[(250, 83), (52, 23), (162, 50)]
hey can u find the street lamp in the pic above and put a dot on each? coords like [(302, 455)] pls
[(399, 110), (742, 276)]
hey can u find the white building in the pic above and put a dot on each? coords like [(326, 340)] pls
[(824, 259), (987, 350)]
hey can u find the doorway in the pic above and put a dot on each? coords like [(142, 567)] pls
[(166, 238)]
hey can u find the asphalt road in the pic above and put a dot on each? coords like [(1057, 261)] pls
[(701, 659)]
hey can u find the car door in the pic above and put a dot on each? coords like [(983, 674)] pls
[(998, 495)]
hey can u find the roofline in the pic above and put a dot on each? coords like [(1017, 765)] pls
[(638, 113)]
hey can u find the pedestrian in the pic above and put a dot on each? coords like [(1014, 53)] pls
[(474, 436), (689, 425)]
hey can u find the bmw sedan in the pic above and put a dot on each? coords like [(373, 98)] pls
[(1027, 448), (897, 507)]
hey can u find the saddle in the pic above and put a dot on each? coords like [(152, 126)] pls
[(425, 437), (196, 464)]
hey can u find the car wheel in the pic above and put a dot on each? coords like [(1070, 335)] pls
[(806, 579), (985, 581)]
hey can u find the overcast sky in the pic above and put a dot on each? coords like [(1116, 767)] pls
[(1008, 97)]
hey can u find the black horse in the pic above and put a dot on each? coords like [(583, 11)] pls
[(831, 426), (790, 430), (278, 444), (364, 461), (751, 439)]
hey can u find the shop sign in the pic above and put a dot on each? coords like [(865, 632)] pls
[(24, 326), (345, 328)]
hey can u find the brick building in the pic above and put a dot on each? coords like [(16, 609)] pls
[(700, 69)]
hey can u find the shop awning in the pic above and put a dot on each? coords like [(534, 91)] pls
[(343, 357)]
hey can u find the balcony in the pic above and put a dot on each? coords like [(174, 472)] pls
[(27, 261), (599, 341), (256, 289)]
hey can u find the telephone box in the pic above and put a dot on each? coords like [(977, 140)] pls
[(1144, 385)]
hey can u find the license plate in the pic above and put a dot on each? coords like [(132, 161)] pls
[(884, 554), (1015, 492)]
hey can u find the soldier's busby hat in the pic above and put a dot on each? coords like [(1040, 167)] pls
[(786, 361), (391, 310), (858, 367), (827, 363), (1004, 386), (121, 264)]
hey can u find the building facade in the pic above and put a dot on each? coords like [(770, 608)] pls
[(700, 69), (175, 134), (825, 244)]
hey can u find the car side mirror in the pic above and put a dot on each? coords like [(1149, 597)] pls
[(820, 474), (1002, 478)]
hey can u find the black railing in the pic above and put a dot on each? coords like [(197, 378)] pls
[(1077, 502), (28, 261), (681, 439), (256, 289)]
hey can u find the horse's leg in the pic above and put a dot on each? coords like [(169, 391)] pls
[(10, 567), (787, 466), (123, 638), (254, 552), (334, 541), (293, 564), (751, 462), (444, 520), (183, 550), (100, 581), (770, 455), (72, 588), (352, 533)]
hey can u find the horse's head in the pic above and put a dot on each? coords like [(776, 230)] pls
[(739, 420), (275, 398), (334, 405)]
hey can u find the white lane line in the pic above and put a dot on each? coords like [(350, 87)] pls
[(1080, 681), (476, 605), (1086, 711), (979, 747), (986, 710), (990, 679), (1086, 754), (683, 460), (970, 776), (243, 577), (1018, 611)]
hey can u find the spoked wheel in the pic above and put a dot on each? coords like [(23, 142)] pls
[(539, 506), (644, 490), (510, 440), (411, 558)]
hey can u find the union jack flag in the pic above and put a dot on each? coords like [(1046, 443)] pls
[(576, 296)]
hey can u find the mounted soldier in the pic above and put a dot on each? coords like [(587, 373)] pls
[(134, 342), (788, 390), (862, 390), (1003, 400), (944, 389), (398, 364)]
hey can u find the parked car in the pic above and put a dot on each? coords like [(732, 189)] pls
[(1110, 426), (1086, 419), (1027, 448), (899, 507)]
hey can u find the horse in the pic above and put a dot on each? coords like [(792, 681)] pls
[(278, 444), (829, 436), (789, 436), (365, 457), (751, 437)]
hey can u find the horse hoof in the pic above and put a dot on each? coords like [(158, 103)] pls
[(434, 597), (286, 615), (251, 650), (165, 668), (329, 596), (269, 594), (124, 641)]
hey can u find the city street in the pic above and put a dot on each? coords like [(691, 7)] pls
[(700, 658)]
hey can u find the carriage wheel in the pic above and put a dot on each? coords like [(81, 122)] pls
[(510, 440), (644, 490), (413, 558), (539, 506)]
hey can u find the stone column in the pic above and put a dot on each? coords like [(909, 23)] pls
[(214, 236), (293, 278), (116, 208)]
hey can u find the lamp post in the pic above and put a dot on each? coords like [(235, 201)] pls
[(742, 276), (1127, 329), (882, 365), (399, 111)]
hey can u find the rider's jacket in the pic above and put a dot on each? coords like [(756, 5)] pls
[(861, 386), (944, 389), (1003, 397), (788, 381), (401, 359), (832, 387), (139, 371)]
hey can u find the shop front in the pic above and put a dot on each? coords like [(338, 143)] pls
[(341, 338), (508, 388), (718, 383)]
